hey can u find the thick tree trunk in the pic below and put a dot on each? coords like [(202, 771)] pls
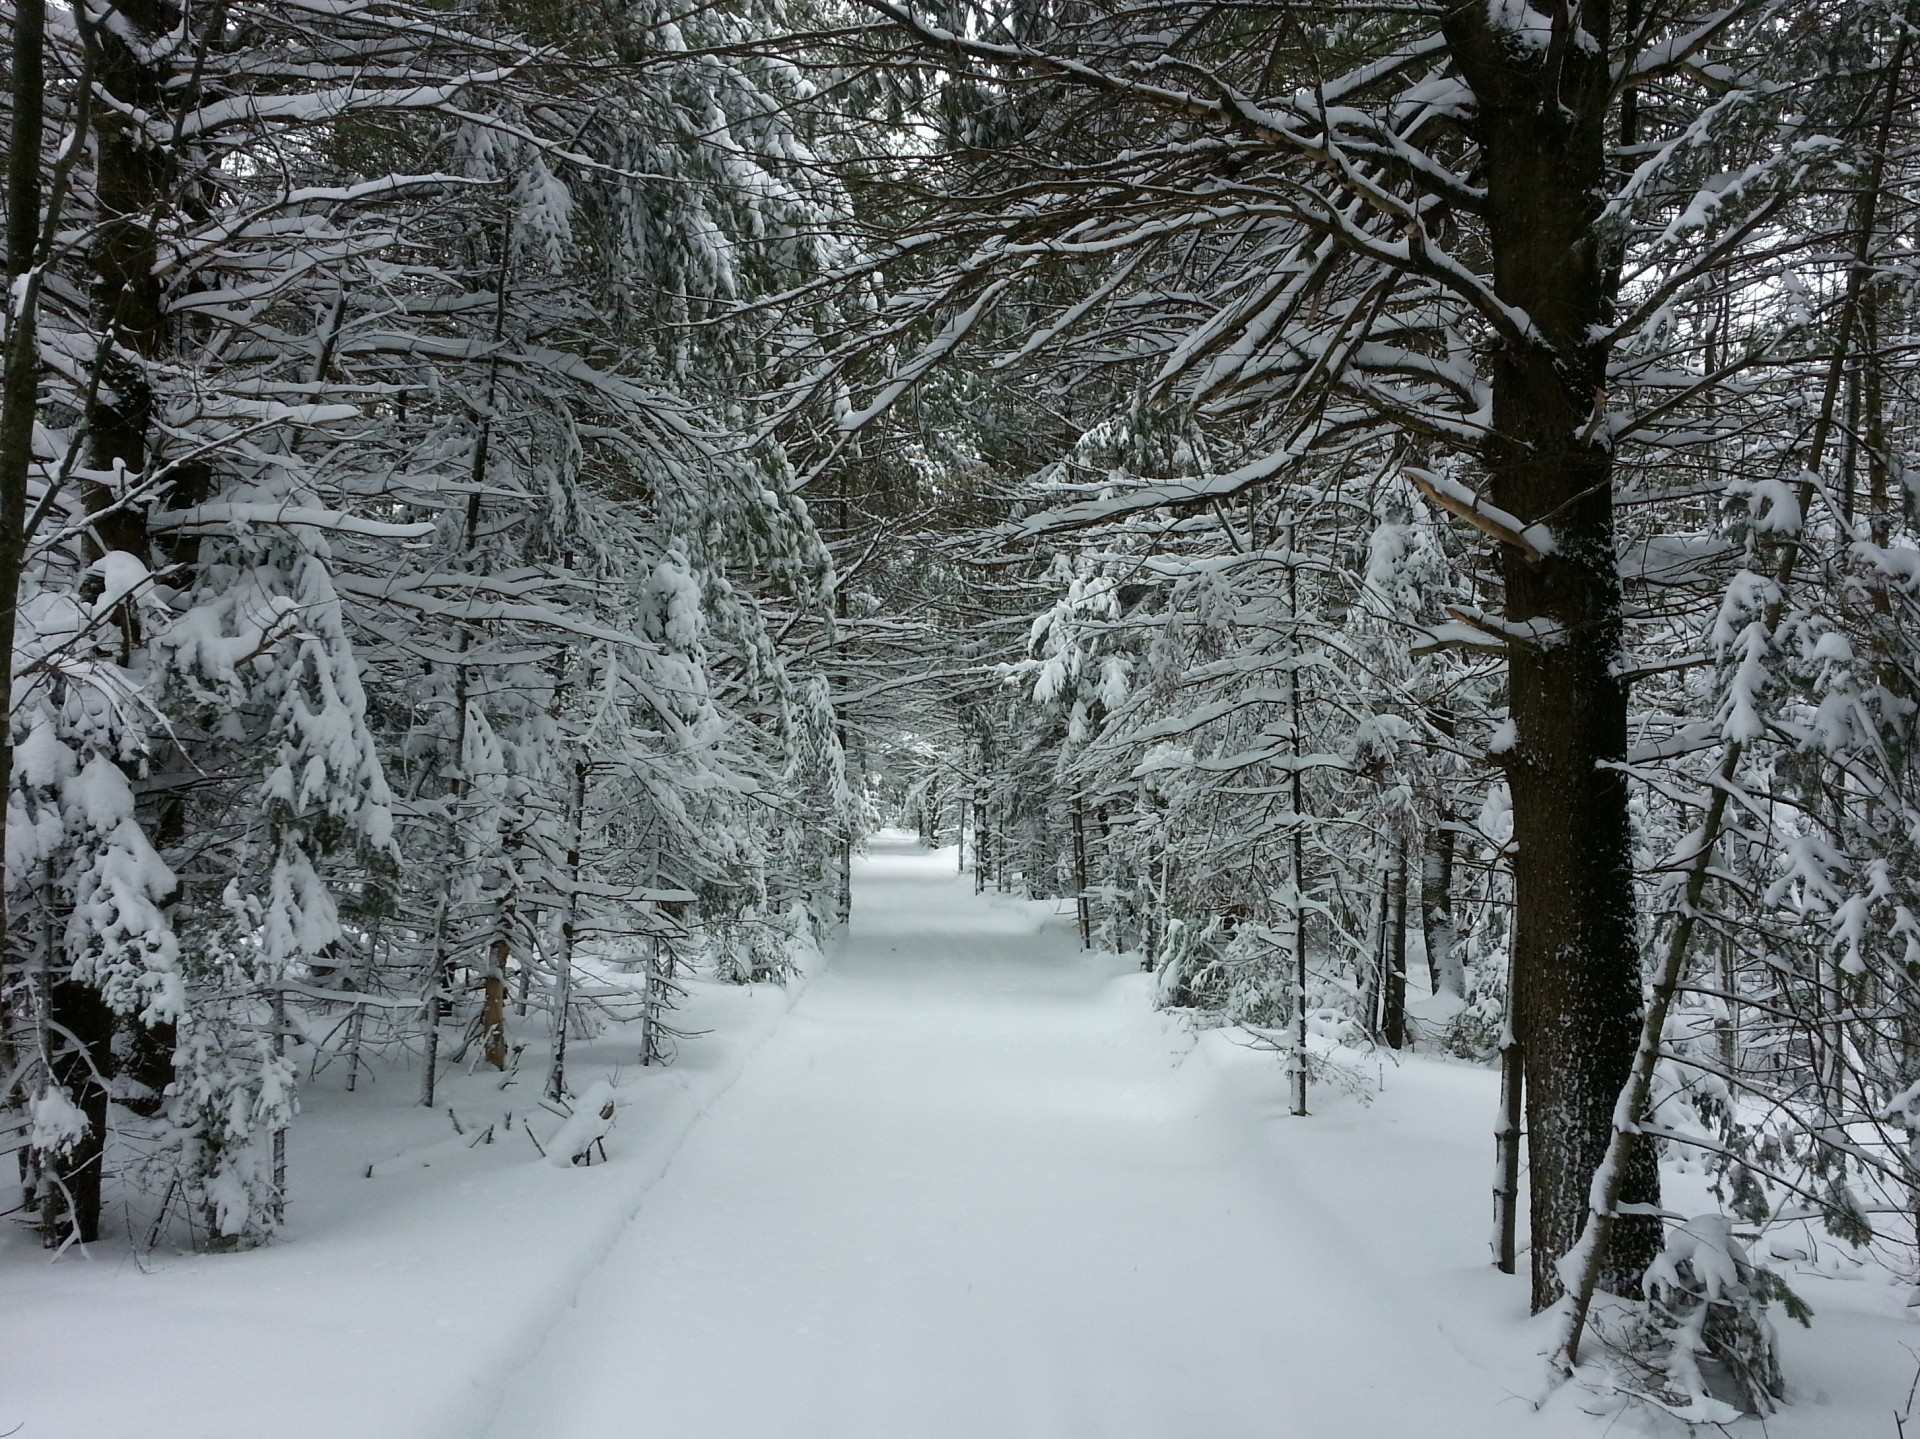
[(135, 182), (81, 1046), (19, 389), (1542, 118)]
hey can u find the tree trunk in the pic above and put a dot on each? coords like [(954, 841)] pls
[(81, 1049), (433, 990), (1297, 868), (1393, 1008), (569, 936), (983, 855), (1377, 976), (135, 181), (1082, 904), (493, 1001), (1506, 1149), (1444, 969), (20, 387), (1542, 130)]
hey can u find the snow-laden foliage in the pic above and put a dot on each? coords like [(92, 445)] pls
[(394, 617), (1461, 514), (1401, 519)]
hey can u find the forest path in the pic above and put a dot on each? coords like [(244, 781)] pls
[(968, 1191)]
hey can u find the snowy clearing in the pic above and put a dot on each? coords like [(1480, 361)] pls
[(972, 1187)]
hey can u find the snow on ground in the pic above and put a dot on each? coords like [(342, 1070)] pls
[(972, 1188), (394, 1303)]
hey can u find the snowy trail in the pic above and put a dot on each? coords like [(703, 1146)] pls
[(968, 1191), (969, 1187)]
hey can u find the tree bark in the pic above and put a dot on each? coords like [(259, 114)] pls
[(19, 389), (1377, 978), (1393, 1009), (1444, 969), (569, 937), (983, 848), (493, 999), (1297, 866), (1506, 1149), (1082, 904), (1438, 934), (1542, 129), (80, 1046), (135, 181)]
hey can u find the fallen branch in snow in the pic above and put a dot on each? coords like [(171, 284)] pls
[(1899, 1420), (589, 1125)]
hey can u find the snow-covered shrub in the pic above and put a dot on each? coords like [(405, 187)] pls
[(764, 944), (1257, 965), (1473, 1031), (1191, 974), (1708, 1301), (232, 1091)]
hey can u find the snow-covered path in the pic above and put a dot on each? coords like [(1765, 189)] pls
[(968, 1189)]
